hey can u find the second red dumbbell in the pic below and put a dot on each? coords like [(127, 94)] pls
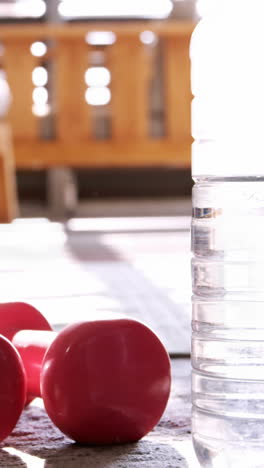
[(103, 381), (12, 388)]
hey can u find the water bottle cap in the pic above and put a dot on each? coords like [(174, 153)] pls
[(228, 88)]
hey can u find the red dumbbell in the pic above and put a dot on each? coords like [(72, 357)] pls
[(12, 388), (102, 382)]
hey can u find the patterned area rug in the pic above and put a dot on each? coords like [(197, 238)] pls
[(71, 273)]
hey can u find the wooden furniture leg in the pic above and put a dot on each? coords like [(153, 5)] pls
[(8, 192)]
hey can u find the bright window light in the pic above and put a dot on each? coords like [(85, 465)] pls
[(5, 95), (97, 76), (23, 9), (202, 7), (41, 110), (40, 95), (40, 76), (98, 96), (38, 49), (148, 37), (100, 38), (105, 9)]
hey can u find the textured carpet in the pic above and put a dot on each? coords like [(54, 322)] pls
[(36, 442)]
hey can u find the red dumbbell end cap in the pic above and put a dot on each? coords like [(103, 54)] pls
[(12, 388), (106, 382)]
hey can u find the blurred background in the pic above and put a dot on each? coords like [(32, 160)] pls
[(97, 98), (95, 159)]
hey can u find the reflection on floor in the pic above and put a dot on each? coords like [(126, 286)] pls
[(136, 266)]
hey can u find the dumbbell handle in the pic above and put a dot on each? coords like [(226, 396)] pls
[(32, 346)]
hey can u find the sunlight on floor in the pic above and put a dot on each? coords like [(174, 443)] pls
[(29, 460), (157, 223)]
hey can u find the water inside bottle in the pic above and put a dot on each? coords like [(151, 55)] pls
[(228, 322)]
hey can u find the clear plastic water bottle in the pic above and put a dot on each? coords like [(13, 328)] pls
[(227, 54)]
